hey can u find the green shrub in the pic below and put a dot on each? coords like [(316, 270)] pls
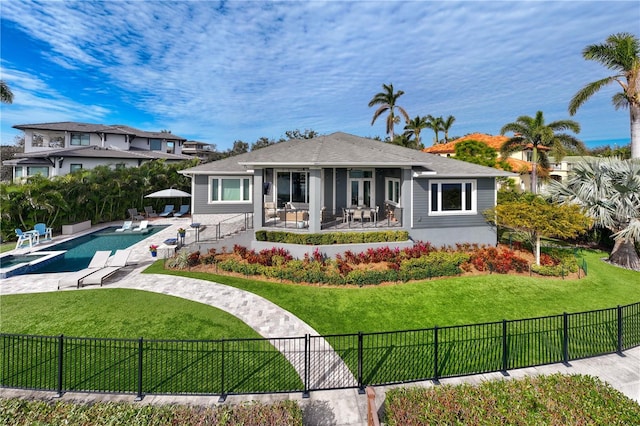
[(434, 264), (330, 238)]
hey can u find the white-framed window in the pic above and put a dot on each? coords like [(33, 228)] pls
[(392, 190), (449, 197), (80, 139), (229, 189), (74, 167)]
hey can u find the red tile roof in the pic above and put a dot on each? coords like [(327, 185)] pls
[(494, 142)]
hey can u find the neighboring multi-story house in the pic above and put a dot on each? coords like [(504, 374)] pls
[(55, 149), (198, 149), (520, 162)]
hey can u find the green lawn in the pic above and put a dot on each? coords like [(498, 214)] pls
[(442, 302), (117, 313), (4, 247)]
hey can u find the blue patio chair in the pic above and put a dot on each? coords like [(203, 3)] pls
[(184, 209), (24, 237), (168, 209), (43, 231)]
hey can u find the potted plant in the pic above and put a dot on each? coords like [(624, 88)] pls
[(154, 250), (181, 232)]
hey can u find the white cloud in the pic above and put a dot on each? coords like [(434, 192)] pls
[(241, 70)]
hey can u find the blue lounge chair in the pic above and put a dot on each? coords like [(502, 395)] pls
[(184, 209), (168, 209)]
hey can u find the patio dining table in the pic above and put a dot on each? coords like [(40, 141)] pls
[(350, 210)]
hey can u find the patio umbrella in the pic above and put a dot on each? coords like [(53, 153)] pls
[(168, 193)]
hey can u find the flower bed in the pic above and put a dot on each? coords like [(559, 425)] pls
[(374, 266)]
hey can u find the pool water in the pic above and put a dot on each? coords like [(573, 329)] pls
[(17, 259), (80, 250)]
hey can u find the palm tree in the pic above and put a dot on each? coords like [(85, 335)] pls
[(532, 133), (6, 95), (446, 125), (435, 124), (414, 127), (609, 190), (620, 53), (387, 100)]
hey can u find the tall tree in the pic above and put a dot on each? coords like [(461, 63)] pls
[(435, 124), (387, 100), (6, 95), (446, 126), (533, 133), (414, 127), (621, 54), (609, 190)]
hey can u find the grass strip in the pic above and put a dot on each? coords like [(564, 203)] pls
[(21, 412), (542, 400)]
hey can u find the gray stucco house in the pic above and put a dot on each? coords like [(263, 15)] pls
[(348, 183)]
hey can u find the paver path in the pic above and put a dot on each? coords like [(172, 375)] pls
[(267, 318)]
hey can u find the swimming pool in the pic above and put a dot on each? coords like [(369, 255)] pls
[(80, 250)]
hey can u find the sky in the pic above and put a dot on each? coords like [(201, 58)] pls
[(219, 72)]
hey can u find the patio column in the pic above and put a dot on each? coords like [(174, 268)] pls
[(258, 200), (315, 195), (407, 198)]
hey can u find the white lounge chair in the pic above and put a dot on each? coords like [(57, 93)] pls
[(126, 226), (115, 263), (144, 224), (98, 261)]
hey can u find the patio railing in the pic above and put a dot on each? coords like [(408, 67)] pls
[(307, 363)]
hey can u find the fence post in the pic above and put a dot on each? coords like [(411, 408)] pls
[(565, 338), (505, 348), (360, 384), (435, 354), (60, 364), (140, 396), (307, 364), (223, 396), (619, 330)]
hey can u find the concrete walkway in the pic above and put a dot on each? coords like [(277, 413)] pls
[(338, 407)]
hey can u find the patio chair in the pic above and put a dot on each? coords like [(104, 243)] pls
[(126, 226), (168, 209), (150, 212), (358, 215), (114, 264), (184, 209), (143, 225), (366, 214), (98, 261), (43, 231), (345, 215), (133, 213), (24, 237)]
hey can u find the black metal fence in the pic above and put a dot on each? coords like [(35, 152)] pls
[(303, 364)]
